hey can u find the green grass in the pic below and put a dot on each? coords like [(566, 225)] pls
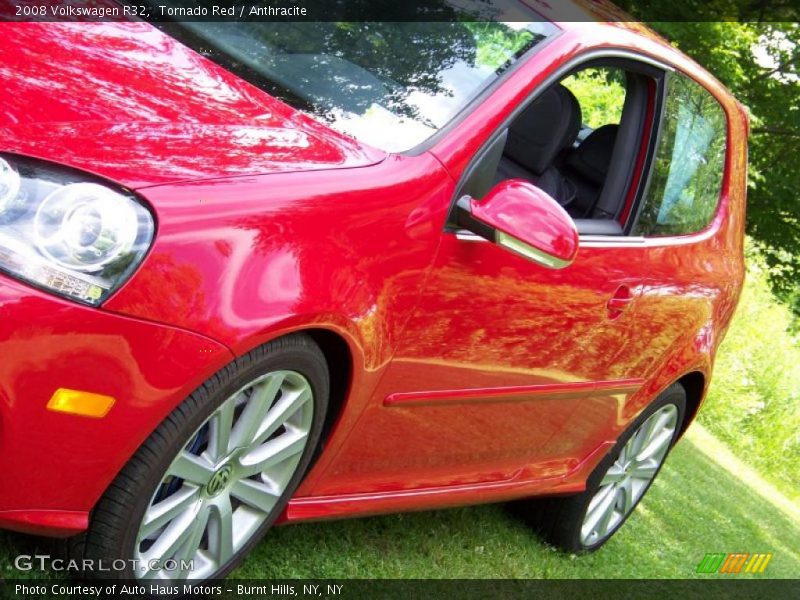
[(696, 506), (754, 401)]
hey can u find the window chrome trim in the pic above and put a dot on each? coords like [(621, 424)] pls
[(592, 241), (607, 241)]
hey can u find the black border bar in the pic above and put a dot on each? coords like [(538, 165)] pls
[(399, 10)]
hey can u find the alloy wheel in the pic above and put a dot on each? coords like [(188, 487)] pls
[(629, 476), (225, 482)]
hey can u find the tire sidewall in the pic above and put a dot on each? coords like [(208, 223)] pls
[(308, 361)]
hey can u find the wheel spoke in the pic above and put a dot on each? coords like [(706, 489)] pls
[(646, 431), (221, 426), (249, 422), (638, 439), (287, 406), (600, 497), (599, 514), (656, 447), (665, 419), (626, 489), (168, 509), (192, 468), (172, 538), (605, 522), (615, 474), (148, 573), (644, 469), (599, 503), (220, 531), (189, 550), (653, 426), (256, 494), (273, 452)]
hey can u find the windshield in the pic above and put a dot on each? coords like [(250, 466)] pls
[(390, 85)]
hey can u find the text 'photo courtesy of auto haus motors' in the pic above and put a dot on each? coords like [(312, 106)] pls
[(257, 272)]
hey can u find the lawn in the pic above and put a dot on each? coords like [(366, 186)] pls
[(753, 404), (697, 505)]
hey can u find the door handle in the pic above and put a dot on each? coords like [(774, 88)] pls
[(619, 302)]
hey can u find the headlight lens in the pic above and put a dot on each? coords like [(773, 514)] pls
[(9, 186), (68, 233)]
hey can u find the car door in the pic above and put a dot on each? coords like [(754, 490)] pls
[(501, 354), (507, 369)]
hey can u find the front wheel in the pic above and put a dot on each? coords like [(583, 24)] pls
[(208, 483), (586, 521)]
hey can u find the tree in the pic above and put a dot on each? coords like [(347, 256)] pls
[(759, 61), (758, 58), (769, 88)]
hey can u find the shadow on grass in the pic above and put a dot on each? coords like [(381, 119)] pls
[(693, 508), (13, 545)]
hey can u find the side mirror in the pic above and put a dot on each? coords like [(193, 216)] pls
[(522, 218)]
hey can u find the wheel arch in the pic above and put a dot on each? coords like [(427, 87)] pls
[(343, 353), (694, 384), (339, 357)]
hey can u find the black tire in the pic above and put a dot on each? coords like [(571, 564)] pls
[(559, 519), (115, 520)]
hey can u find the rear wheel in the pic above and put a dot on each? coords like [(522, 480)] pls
[(586, 521), (213, 477)]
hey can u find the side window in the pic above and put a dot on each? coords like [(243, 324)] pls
[(690, 158), (600, 92), (563, 141)]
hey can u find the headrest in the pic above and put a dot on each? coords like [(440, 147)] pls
[(547, 126)]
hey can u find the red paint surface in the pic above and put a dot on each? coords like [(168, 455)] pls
[(128, 102), (270, 223)]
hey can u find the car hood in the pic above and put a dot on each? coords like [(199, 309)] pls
[(129, 103)]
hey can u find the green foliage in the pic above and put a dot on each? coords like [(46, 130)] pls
[(754, 401), (601, 94), (760, 64)]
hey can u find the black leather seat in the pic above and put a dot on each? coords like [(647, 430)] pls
[(587, 167), (537, 137)]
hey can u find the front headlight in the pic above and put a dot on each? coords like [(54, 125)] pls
[(69, 233)]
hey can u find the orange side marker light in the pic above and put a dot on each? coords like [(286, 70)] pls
[(84, 404)]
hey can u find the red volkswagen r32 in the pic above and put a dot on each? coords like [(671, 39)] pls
[(257, 272)]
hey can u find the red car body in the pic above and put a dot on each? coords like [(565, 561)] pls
[(462, 373)]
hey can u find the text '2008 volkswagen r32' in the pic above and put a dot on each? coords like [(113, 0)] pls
[(257, 272)]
